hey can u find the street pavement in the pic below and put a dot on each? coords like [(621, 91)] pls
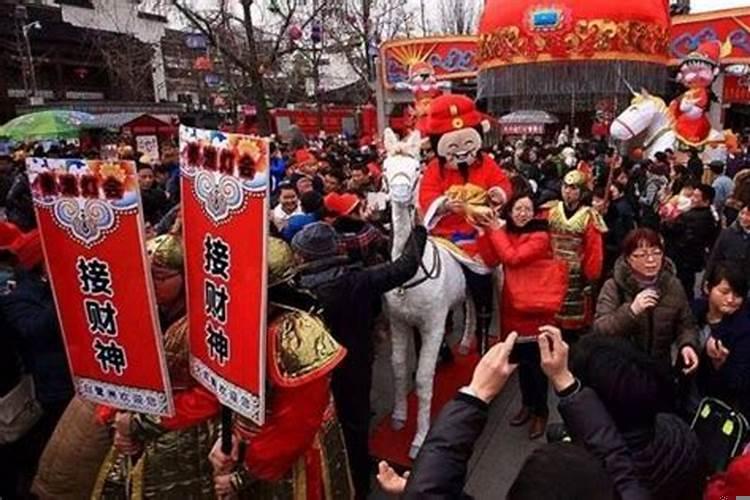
[(500, 451)]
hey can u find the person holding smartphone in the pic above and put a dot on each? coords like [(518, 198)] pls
[(521, 243), (645, 302), (724, 320)]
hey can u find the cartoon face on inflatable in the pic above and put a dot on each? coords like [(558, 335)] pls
[(421, 73), (697, 74)]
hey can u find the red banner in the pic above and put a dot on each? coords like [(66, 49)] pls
[(736, 89), (92, 233), (225, 211), (522, 128)]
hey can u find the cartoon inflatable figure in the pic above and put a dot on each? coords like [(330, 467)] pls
[(424, 85), (690, 111)]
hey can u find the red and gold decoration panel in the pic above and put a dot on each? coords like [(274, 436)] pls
[(688, 32), (518, 32), (225, 179), (451, 58), (91, 225)]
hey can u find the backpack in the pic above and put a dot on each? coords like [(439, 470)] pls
[(721, 430)]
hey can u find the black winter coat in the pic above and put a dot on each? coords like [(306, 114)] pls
[(589, 423), (30, 314), (732, 247), (19, 205), (441, 467), (668, 459), (665, 460), (730, 382), (691, 237), (620, 220), (351, 295)]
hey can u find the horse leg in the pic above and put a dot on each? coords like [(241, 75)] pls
[(432, 337), (399, 348), (470, 325)]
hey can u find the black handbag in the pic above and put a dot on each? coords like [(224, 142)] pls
[(722, 431)]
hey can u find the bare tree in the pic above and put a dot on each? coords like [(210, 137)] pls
[(128, 62), (265, 44), (363, 24), (459, 17)]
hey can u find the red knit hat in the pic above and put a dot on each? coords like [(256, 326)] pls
[(452, 112), (341, 204), (28, 249)]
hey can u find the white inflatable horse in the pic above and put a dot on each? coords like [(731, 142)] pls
[(648, 124), (425, 301)]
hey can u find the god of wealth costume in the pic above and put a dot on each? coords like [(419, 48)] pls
[(174, 463), (299, 452), (577, 240), (460, 172)]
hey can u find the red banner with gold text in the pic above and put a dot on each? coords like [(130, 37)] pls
[(92, 233), (225, 180)]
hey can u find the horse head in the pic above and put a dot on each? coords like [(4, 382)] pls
[(644, 110), (401, 168)]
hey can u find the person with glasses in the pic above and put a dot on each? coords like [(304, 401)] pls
[(645, 302)]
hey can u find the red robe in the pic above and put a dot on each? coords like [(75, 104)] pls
[(485, 173), (692, 131)]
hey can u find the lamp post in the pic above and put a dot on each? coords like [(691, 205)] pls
[(25, 30)]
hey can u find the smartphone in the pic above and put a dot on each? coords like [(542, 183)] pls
[(526, 348)]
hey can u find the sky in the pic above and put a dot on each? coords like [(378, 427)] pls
[(704, 5)]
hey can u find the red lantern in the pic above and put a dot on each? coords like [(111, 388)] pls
[(203, 63), (295, 33)]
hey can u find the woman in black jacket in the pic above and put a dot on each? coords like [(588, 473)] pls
[(724, 321)]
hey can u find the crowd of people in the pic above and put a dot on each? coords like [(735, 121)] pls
[(625, 289)]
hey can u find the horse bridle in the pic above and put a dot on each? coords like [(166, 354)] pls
[(437, 264), (627, 127)]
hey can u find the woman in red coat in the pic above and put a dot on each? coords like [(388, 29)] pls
[(521, 243)]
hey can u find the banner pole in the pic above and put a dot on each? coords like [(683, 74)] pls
[(226, 430)]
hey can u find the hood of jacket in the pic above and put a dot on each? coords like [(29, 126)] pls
[(671, 463)]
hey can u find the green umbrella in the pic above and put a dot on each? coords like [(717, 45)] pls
[(46, 125)]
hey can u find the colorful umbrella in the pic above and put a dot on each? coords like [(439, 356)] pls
[(46, 125)]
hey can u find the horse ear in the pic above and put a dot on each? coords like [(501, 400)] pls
[(414, 143), (644, 92), (390, 140)]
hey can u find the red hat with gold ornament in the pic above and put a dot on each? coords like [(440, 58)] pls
[(452, 112), (710, 52)]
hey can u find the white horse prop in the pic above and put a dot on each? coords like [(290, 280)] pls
[(648, 124), (425, 301)]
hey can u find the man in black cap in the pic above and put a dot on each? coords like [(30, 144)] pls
[(350, 296)]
